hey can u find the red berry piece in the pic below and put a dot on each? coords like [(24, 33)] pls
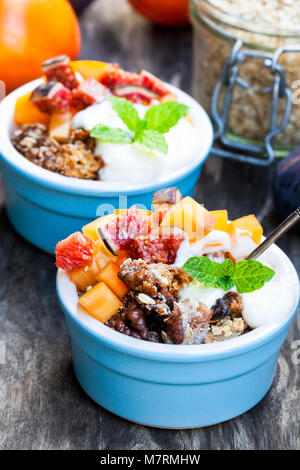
[(74, 252)]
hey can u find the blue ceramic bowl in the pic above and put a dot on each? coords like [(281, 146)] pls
[(172, 386), (45, 207)]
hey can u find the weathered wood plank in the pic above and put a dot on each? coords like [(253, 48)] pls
[(41, 404)]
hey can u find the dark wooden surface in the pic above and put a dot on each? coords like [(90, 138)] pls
[(41, 404)]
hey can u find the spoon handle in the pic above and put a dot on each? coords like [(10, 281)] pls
[(288, 223)]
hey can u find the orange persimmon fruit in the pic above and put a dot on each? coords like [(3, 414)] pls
[(32, 31), (167, 12)]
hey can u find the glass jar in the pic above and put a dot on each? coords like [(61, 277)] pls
[(216, 30)]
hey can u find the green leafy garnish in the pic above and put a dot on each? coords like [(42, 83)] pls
[(251, 275), (111, 134), (147, 132), (165, 115), (153, 140), (126, 111), (246, 276)]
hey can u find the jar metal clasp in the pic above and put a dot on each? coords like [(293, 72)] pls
[(243, 151)]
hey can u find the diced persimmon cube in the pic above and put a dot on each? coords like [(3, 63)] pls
[(91, 229), (191, 217), (100, 302), (90, 68), (222, 220), (85, 277), (109, 275), (250, 224), (26, 112)]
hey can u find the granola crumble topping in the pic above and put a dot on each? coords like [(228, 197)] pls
[(152, 311), (74, 158)]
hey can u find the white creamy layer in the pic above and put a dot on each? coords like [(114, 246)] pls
[(270, 304), (127, 162)]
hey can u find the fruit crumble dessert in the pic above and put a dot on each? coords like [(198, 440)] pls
[(94, 120), (177, 274)]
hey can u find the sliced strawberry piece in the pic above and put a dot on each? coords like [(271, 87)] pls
[(52, 97), (59, 69), (88, 93), (74, 252)]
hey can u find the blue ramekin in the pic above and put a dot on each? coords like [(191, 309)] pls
[(45, 207), (172, 386)]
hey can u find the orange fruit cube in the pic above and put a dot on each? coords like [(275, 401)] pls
[(84, 277), (100, 302), (250, 224), (222, 220), (27, 112), (191, 217), (109, 275)]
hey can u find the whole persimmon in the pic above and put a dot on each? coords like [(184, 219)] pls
[(32, 31), (165, 12)]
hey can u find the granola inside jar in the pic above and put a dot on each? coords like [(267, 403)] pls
[(263, 25)]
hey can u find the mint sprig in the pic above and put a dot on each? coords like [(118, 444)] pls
[(246, 276), (153, 140), (111, 134), (147, 132)]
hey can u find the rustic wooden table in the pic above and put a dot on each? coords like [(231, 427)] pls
[(41, 404)]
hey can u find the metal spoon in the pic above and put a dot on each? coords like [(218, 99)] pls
[(288, 223)]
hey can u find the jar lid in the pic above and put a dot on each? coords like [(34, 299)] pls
[(268, 17)]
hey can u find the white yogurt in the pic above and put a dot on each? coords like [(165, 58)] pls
[(127, 162), (270, 304)]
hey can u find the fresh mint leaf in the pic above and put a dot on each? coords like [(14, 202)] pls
[(165, 115), (126, 111), (152, 140), (203, 270), (110, 134), (148, 132), (225, 272), (250, 275), (246, 276)]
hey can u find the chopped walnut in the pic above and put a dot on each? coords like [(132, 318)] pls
[(152, 279), (74, 158), (151, 302)]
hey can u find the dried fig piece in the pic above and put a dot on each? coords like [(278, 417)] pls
[(52, 97), (59, 69), (170, 195)]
